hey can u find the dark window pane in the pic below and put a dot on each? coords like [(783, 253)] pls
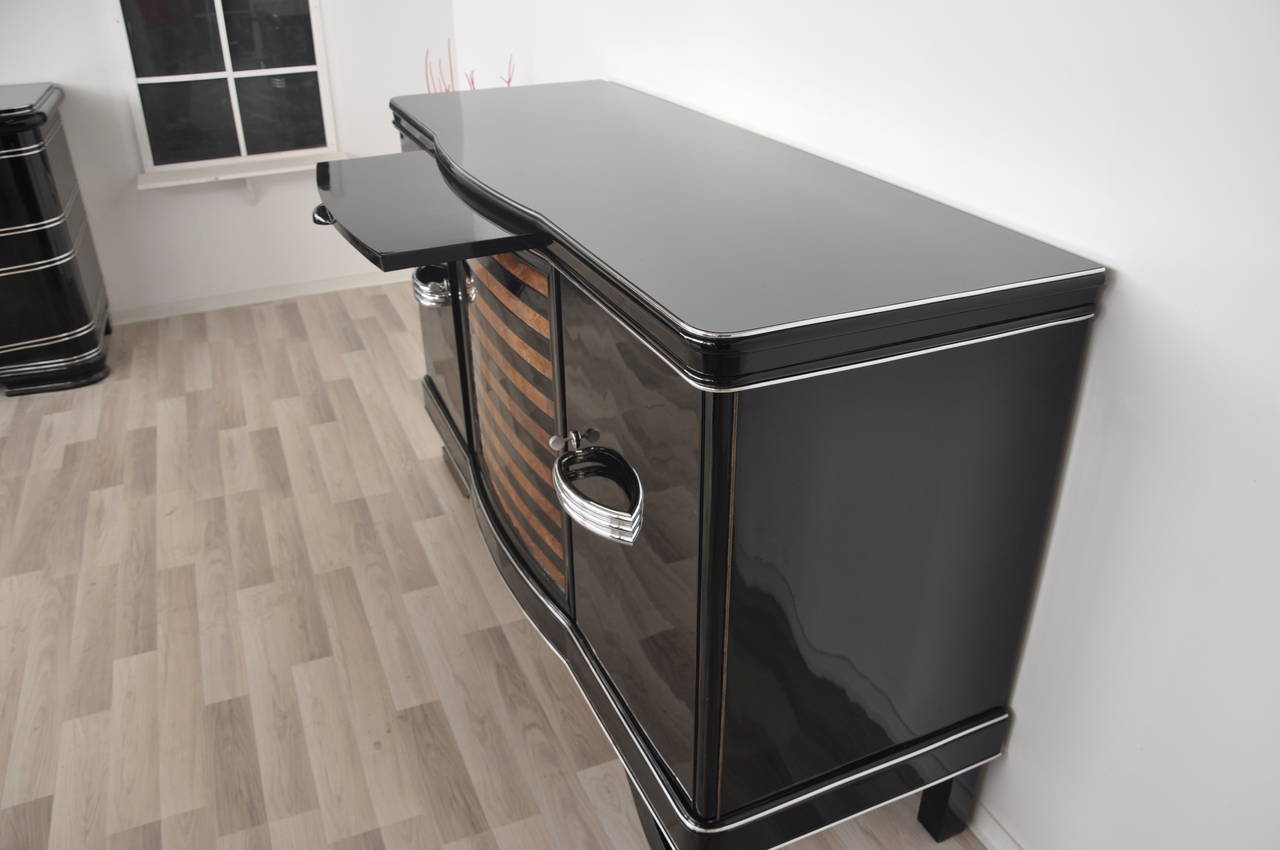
[(281, 112), (172, 36), (268, 33), (189, 121)]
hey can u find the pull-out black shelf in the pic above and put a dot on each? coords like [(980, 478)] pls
[(398, 211)]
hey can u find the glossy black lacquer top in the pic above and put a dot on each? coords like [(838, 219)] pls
[(723, 231), (398, 212)]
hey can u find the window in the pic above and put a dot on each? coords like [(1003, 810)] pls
[(226, 80)]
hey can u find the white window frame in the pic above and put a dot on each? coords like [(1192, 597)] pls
[(244, 164)]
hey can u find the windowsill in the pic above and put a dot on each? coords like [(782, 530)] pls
[(239, 170)]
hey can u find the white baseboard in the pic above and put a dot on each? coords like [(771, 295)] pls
[(249, 296), (991, 832)]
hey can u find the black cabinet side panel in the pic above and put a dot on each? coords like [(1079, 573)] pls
[(637, 605), (889, 523)]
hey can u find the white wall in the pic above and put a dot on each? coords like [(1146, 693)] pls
[(169, 246), (1143, 135)]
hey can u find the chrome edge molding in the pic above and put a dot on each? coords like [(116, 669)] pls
[(904, 356), (33, 226), (710, 388), (481, 508)]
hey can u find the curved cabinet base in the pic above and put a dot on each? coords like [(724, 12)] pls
[(811, 808), (61, 373), (69, 380)]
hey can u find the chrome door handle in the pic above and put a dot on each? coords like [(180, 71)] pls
[(592, 462), (321, 215), (471, 287), (431, 286)]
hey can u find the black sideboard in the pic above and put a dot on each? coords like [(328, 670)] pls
[(765, 447), (53, 316)]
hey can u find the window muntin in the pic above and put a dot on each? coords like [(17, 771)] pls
[(227, 79)]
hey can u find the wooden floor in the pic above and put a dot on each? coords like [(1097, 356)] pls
[(242, 606)]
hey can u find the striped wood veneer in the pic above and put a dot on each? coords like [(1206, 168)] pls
[(515, 402)]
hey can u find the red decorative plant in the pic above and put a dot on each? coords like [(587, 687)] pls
[(448, 81)]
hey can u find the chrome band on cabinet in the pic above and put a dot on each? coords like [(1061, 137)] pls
[(52, 365), (708, 388), (50, 340), (30, 150), (37, 266), (34, 226)]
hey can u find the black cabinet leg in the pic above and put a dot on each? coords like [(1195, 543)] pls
[(657, 841), (945, 808)]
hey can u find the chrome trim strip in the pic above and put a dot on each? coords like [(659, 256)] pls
[(921, 302), (906, 355), (550, 228), (710, 388), (60, 218), (38, 147), (693, 826), (34, 226), (50, 365), (14, 153), (49, 340), (38, 265)]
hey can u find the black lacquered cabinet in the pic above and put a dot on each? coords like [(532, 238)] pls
[(53, 314), (766, 448)]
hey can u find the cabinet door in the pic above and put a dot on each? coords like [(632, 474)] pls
[(635, 600), (509, 330)]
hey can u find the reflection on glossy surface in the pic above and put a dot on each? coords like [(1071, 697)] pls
[(173, 38), (637, 605), (886, 551), (281, 112), (189, 121), (725, 229), (268, 33)]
